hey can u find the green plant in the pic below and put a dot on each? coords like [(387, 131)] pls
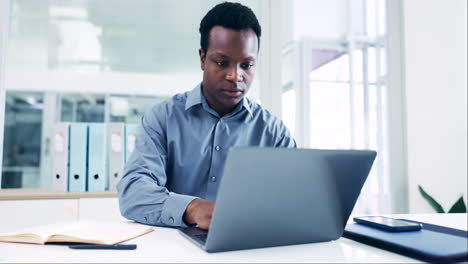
[(458, 207)]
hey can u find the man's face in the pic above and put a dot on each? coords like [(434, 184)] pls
[(229, 67)]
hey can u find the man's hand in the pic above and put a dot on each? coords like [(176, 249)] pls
[(199, 212)]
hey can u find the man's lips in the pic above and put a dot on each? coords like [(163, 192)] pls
[(233, 92)]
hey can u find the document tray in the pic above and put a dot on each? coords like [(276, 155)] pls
[(432, 243)]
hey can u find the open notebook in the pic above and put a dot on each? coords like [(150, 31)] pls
[(102, 233)]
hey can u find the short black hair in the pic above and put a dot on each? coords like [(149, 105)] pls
[(229, 15)]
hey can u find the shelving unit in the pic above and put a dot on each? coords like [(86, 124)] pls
[(41, 194)]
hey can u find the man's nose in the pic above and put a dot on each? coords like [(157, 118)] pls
[(235, 74)]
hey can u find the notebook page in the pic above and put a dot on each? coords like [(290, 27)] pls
[(42, 231)]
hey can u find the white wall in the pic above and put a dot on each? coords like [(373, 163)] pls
[(17, 214), (435, 43)]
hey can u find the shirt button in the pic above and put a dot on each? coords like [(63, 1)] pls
[(217, 148), (171, 220), (213, 179)]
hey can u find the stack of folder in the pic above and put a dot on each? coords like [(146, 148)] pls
[(91, 156)]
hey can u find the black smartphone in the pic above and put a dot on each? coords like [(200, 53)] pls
[(389, 224)]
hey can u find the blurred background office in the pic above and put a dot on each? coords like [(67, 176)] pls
[(388, 75)]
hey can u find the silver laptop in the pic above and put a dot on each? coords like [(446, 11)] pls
[(282, 196)]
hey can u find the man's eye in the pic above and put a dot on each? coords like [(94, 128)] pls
[(221, 63), (247, 66)]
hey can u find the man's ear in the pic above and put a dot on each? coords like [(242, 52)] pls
[(202, 55)]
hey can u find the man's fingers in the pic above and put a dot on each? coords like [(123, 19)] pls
[(204, 225), (206, 222)]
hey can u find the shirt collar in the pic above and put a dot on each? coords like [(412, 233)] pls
[(194, 97), (246, 104)]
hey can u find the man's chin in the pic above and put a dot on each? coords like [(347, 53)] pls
[(232, 101)]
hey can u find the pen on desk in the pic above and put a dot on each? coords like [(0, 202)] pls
[(116, 246)]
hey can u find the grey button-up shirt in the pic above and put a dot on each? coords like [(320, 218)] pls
[(180, 152)]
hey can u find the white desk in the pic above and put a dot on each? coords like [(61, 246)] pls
[(167, 245)]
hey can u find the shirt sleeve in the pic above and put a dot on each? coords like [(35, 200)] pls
[(284, 138), (143, 196)]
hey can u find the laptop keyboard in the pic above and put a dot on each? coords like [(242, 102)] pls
[(202, 237)]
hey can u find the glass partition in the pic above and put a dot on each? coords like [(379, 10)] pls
[(92, 61), (22, 140)]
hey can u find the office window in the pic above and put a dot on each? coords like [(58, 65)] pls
[(288, 81), (339, 84)]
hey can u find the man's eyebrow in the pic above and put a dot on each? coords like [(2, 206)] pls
[(220, 55)]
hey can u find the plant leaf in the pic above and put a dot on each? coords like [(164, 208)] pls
[(458, 207), (437, 207)]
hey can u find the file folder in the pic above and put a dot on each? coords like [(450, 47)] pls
[(60, 157), (433, 243), (78, 157), (116, 152), (97, 158), (131, 132)]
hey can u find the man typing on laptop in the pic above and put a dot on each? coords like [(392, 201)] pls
[(173, 175)]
